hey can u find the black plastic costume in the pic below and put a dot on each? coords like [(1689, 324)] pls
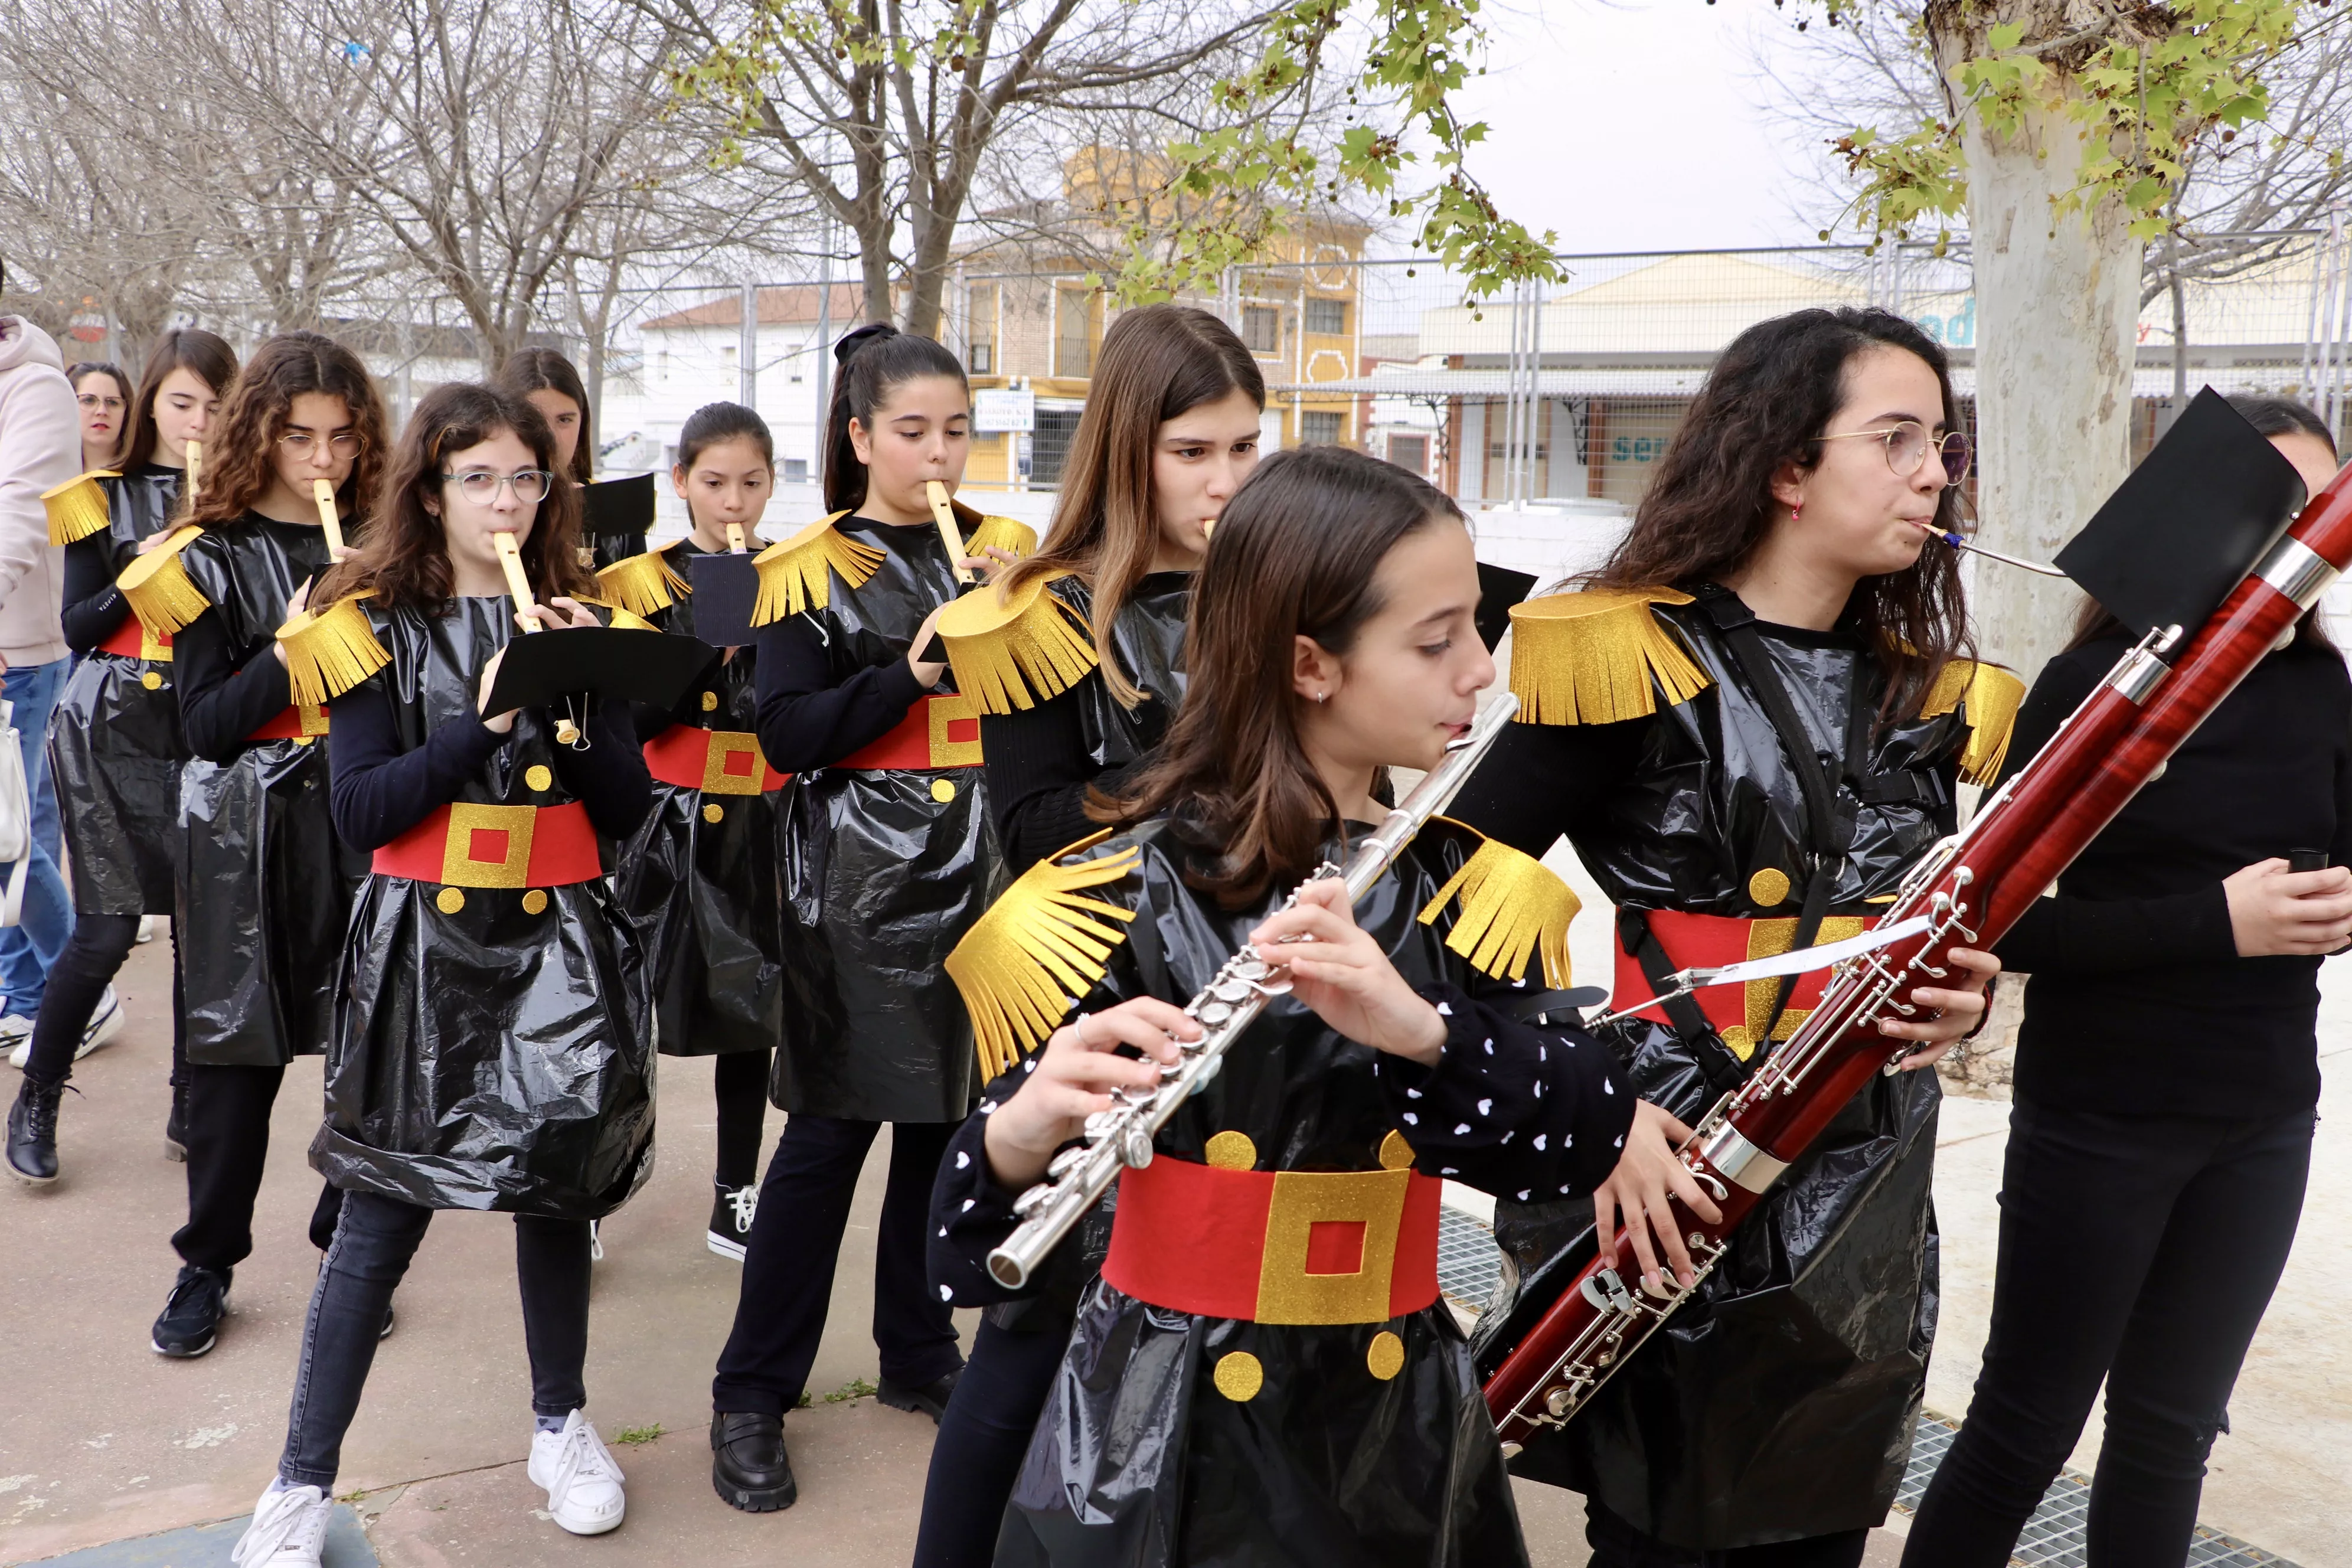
[(883, 867), (1150, 1451), (700, 876), (116, 746), (1042, 759), (492, 1049), (264, 889), (1778, 1403)]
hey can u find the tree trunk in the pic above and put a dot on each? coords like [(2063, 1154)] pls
[(2058, 308)]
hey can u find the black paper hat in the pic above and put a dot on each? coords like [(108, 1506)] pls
[(617, 506), (2190, 522), (1498, 589), (726, 585), (542, 669)]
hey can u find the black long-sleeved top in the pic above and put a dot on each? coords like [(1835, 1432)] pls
[(806, 721), (225, 694), (94, 606), (2139, 1003), (381, 791)]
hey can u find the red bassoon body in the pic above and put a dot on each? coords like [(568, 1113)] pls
[(1966, 892)]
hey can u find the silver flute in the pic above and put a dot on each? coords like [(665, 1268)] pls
[(1121, 1136)]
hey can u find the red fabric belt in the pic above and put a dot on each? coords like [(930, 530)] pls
[(1738, 1012), (937, 732), (131, 640), (300, 722), (1276, 1246), (720, 761), (469, 845)]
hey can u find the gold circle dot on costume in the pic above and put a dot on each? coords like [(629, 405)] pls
[(710, 703), (942, 791), (1769, 888), (538, 777), (713, 812), (1231, 1151), (449, 900), (1385, 1357), (152, 680), (535, 901), (1239, 1376), (1396, 1154)]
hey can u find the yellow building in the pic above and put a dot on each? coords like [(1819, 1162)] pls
[(1026, 319)]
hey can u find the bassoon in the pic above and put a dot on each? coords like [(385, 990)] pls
[(1966, 892)]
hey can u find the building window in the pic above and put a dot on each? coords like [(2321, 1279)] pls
[(1328, 317), (980, 331), (1262, 329), (1319, 429), (1409, 452), (796, 468), (1078, 328)]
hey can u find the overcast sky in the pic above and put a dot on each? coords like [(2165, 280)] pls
[(1636, 124)]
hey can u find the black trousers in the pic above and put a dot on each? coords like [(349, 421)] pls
[(796, 1242), (1616, 1544), (92, 957), (738, 1083), (981, 1439), (2137, 1250), (229, 1145), (366, 1257)]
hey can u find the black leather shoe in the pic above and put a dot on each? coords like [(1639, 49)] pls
[(191, 1320), (32, 1133), (929, 1398), (749, 1466)]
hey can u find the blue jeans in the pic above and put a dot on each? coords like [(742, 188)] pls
[(29, 947)]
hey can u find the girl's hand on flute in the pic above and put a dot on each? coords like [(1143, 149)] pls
[(987, 563), (561, 614), (1073, 1080), (1342, 974)]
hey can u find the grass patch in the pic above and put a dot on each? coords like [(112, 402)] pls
[(635, 1434), (804, 1402), (855, 1388)]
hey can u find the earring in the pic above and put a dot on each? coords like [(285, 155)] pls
[(1796, 513), (1321, 695)]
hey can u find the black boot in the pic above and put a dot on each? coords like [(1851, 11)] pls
[(32, 1133), (749, 1466), (927, 1398)]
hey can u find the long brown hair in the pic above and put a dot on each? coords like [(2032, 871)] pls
[(203, 355), (1295, 554), (2269, 417), (406, 562), (1156, 364), (238, 467), (1768, 402), (544, 370)]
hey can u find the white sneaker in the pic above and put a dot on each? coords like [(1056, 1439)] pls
[(582, 1481), (103, 1025), (289, 1530), (148, 926), (16, 1033)]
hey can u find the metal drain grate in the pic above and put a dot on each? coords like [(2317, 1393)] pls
[(1469, 1264)]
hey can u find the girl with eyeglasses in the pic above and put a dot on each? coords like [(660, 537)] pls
[(264, 889), (491, 1044), (888, 855), (2167, 1071), (103, 396), (1749, 723), (115, 746), (701, 875)]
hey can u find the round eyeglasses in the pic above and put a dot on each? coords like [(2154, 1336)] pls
[(1907, 444), (481, 487), (301, 444)]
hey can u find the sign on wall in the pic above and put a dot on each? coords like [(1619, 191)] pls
[(1003, 408)]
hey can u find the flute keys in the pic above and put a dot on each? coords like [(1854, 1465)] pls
[(1135, 1150), (1213, 1013), (1235, 989)]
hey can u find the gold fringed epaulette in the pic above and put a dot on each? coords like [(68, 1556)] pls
[(1599, 656), (643, 585), (1008, 535), (329, 651), (162, 594), (797, 574), (1990, 696), (76, 508), (1037, 950), (1511, 905), (1015, 654)]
